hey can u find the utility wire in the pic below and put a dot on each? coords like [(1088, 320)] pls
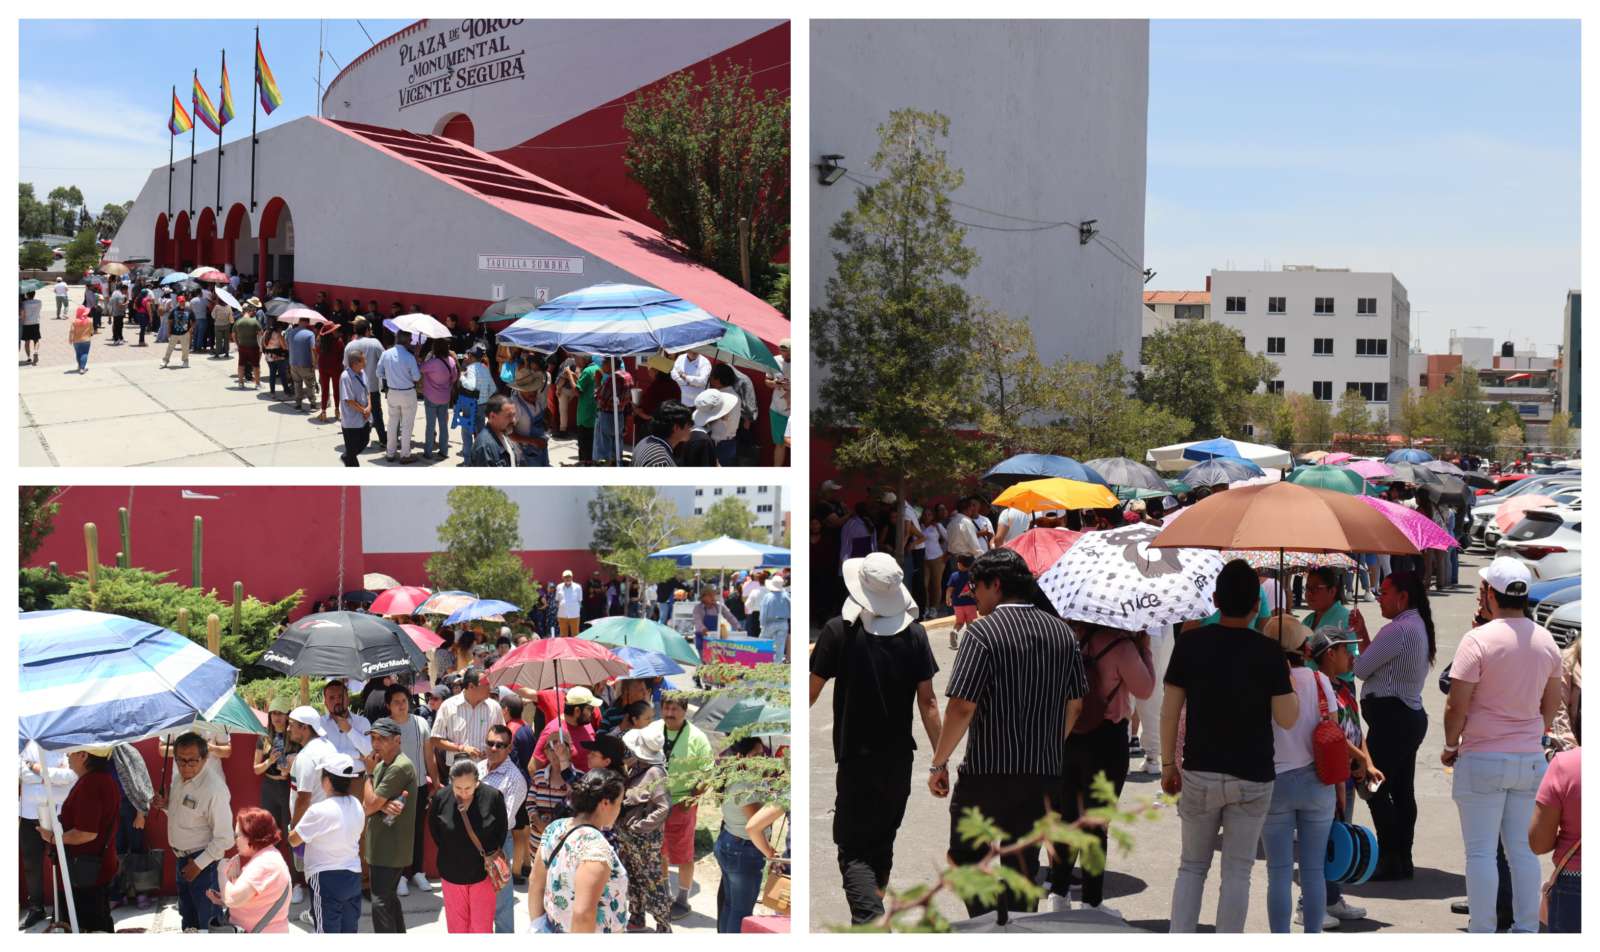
[(363, 26)]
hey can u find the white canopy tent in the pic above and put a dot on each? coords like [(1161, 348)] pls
[(1171, 459)]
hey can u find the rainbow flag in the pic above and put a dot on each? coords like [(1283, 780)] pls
[(226, 112), (180, 121), (270, 97), (203, 109)]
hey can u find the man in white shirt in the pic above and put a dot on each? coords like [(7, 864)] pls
[(985, 528), (34, 767), (569, 605), (399, 373), (752, 593), (60, 291), (199, 812), (347, 731), (462, 724), (1013, 522), (963, 532), (691, 372)]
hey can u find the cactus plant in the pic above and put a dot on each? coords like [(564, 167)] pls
[(199, 523), (125, 557)]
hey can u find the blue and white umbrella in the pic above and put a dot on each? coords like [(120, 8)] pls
[(725, 552), (1409, 455), (614, 320), (482, 608), (645, 663), (91, 679)]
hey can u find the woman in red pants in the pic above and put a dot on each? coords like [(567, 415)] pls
[(330, 364)]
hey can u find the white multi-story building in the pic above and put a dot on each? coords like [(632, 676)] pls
[(766, 501), (1328, 329)]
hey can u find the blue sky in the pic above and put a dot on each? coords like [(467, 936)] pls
[(94, 94), (1446, 152)]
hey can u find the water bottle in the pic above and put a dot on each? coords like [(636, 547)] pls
[(388, 819)]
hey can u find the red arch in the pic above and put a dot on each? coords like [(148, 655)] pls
[(183, 240), (206, 237), (458, 127), (237, 224), (271, 216), (161, 254)]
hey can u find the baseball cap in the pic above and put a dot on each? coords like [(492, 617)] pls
[(890, 498), (566, 573), (342, 765), (1328, 637), (1507, 575), (385, 726), (101, 752), (279, 706), (609, 744), (307, 715), (581, 696)]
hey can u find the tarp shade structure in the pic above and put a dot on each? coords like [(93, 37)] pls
[(725, 552), (1172, 458), (88, 679)]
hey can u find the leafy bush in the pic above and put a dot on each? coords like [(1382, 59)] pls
[(765, 779), (137, 593), (260, 693), (37, 589), (35, 256)]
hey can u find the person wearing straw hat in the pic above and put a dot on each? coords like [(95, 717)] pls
[(88, 830), (877, 654), (645, 806), (775, 607), (528, 433)]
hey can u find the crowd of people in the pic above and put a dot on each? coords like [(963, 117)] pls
[(1228, 710), (586, 796), (355, 368)]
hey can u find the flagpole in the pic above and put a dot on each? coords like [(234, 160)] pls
[(172, 114), (221, 92), (255, 96), (195, 104)]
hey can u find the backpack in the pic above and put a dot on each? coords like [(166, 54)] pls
[(1093, 712), (1330, 749)]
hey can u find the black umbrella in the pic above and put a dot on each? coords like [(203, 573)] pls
[(1451, 491), (343, 645), (278, 305), (1412, 473), (360, 597), (1128, 474), (1216, 472)]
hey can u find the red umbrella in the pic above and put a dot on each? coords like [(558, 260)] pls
[(399, 601), (1043, 547), (552, 662), (423, 638)]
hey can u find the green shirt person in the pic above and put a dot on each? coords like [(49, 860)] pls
[(391, 803), (588, 406)]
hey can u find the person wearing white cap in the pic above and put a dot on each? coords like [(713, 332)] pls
[(569, 605), (877, 654), (645, 806), (331, 832), (305, 768), (1505, 691)]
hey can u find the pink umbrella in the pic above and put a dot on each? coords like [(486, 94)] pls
[(1370, 469), (1423, 532), (423, 638), (1512, 510), (399, 601), (294, 315), (1334, 459), (554, 662), (1043, 547)]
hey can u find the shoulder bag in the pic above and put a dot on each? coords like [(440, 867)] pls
[(494, 863), (221, 923), (1549, 884), (1330, 749)]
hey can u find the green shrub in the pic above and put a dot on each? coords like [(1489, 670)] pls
[(37, 589)]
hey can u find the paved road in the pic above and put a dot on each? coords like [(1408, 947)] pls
[(1139, 884)]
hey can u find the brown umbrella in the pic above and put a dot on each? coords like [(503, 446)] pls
[(1285, 516)]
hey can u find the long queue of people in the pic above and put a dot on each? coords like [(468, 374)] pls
[(585, 796), (1232, 709)]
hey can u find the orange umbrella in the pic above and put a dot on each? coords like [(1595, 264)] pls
[(1512, 510), (1037, 495), (1043, 547), (1285, 516)]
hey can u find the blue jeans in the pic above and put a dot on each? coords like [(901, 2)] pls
[(742, 865), (336, 900), (435, 415), (81, 348), (778, 631), (1494, 796), (1303, 805), (1566, 904), (505, 901), (1213, 802), (605, 438), (728, 452), (278, 372), (194, 907)]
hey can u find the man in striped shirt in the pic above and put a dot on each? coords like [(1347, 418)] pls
[(463, 722), (669, 427), (1016, 689)]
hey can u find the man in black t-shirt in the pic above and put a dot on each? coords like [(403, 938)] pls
[(1235, 684), (882, 667)]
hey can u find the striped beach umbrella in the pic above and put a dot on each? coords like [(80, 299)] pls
[(483, 609), (614, 320)]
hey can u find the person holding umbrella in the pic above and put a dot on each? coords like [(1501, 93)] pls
[(38, 766), (88, 829), (330, 830), (199, 812)]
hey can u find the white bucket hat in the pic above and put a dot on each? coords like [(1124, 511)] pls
[(878, 595), (775, 584), (712, 405), (648, 746)]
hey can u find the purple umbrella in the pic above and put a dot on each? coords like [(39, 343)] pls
[(1423, 532), (1369, 468)]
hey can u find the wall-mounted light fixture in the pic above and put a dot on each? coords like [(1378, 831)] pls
[(829, 170), (1149, 275)]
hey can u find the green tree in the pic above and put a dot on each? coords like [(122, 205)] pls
[(894, 338), (1313, 420), (1273, 416), (710, 156), (481, 540), (64, 202), (1560, 432), (1505, 416), (1092, 413), (1352, 420), (1011, 378), (33, 216), (111, 218), (730, 516), (1414, 420), (765, 779), (82, 253), (778, 297), (630, 522), (34, 256), (1508, 443), (1201, 371), (1464, 421), (36, 513)]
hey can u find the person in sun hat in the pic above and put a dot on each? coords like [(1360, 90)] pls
[(1332, 649), (877, 654), (775, 607), (640, 825), (715, 415), (1505, 690)]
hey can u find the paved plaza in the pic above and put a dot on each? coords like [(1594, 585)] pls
[(1139, 884)]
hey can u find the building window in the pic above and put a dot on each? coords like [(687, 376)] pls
[(1275, 345), (717, 491), (1324, 305), (763, 508), (1188, 312), (1366, 305), (1322, 390), (1275, 386), (1236, 305), (1277, 305), (699, 492), (762, 489), (1322, 346), (1380, 393), (1370, 392), (740, 490), (699, 511), (1372, 346)]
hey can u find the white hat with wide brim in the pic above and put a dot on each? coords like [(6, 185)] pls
[(878, 595), (713, 405), (648, 746)]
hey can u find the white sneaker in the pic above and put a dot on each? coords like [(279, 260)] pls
[(402, 889), (1329, 923), (420, 880), (1152, 766), (298, 896), (1343, 910), (307, 920), (1060, 903)]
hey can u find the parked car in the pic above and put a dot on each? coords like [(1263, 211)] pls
[(1548, 541), (1566, 623), (1539, 591), (1483, 512), (1569, 497)]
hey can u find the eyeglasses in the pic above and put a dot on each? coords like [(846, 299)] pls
[(496, 745), (187, 761)]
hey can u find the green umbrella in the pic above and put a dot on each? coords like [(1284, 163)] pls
[(753, 710), (1126, 493), (29, 286), (739, 346), (642, 633), (236, 717), (1337, 478), (1179, 487)]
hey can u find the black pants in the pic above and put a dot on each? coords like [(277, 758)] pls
[(1394, 732), (116, 328), (356, 439), (144, 325), (386, 914), (93, 905), (1014, 802), (867, 811), (585, 444), (1104, 749), (424, 805), (31, 844)]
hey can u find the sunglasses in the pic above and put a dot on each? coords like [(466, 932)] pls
[(496, 745)]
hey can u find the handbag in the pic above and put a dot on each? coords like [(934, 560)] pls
[(221, 923), (775, 890), (495, 863), (1330, 750), (1544, 891), (141, 872)]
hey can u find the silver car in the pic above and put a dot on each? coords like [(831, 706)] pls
[(1548, 541), (1566, 623)]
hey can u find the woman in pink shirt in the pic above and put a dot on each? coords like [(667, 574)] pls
[(1557, 830), (1120, 670), (438, 379), (254, 886)]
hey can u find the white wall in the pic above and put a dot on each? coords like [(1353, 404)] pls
[(407, 519), (1047, 119), (1299, 366), (754, 496), (569, 67)]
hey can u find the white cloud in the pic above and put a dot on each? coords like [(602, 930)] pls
[(101, 113)]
